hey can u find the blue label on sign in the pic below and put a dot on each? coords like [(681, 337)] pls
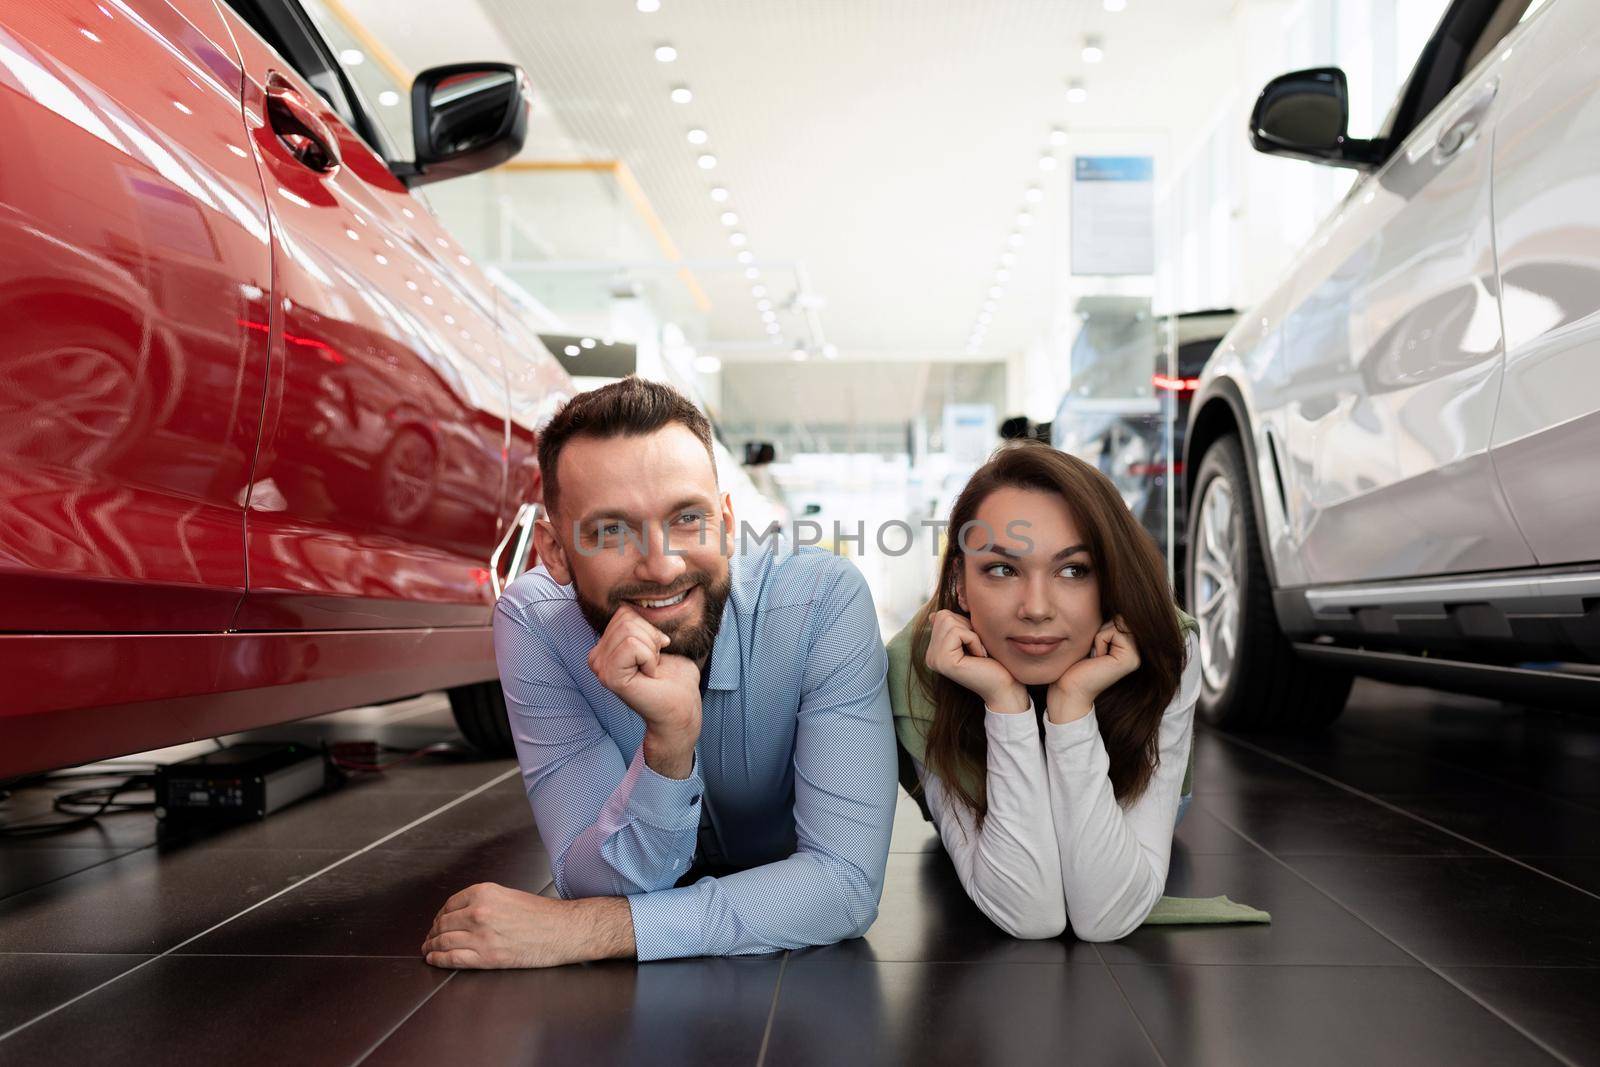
[(1112, 168)]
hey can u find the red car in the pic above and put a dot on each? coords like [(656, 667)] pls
[(266, 433)]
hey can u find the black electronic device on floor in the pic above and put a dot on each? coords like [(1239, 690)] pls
[(242, 783)]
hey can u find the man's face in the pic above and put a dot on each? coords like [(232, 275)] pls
[(640, 522)]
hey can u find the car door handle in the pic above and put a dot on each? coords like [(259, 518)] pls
[(1459, 130), (307, 137)]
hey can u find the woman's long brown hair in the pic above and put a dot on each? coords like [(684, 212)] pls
[(1132, 583)]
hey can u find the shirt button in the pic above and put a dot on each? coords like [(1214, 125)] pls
[(695, 799)]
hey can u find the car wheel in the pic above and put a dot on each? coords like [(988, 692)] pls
[(480, 712), (1250, 676)]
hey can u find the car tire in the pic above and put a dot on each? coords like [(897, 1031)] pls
[(480, 712), (1257, 682)]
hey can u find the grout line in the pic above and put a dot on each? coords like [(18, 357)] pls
[(772, 1013), (404, 1019), (1364, 795), (1435, 971), (80, 870), (496, 780), (1131, 1009)]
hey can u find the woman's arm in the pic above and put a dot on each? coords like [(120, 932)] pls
[(1009, 868), (1114, 862)]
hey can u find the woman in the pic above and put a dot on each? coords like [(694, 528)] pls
[(1052, 616)]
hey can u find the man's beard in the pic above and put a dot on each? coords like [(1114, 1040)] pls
[(693, 640)]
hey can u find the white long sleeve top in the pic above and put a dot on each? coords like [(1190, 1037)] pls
[(1056, 847)]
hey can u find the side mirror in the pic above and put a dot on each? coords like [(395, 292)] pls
[(759, 453), (1306, 115), (466, 117)]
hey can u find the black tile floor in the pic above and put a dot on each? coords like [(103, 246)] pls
[(1432, 865)]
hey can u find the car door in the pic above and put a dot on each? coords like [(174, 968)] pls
[(1547, 230), (377, 497), (133, 253), (1394, 352)]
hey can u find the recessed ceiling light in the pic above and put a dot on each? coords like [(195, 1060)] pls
[(798, 355), (698, 136), (1092, 50), (1002, 275), (830, 351), (737, 239), (763, 305), (719, 194), (746, 256), (1058, 136), (1024, 219), (758, 291), (707, 364), (997, 291), (352, 57), (665, 53), (572, 350), (985, 317), (388, 98), (1015, 240), (587, 342), (1076, 92), (769, 316), (1047, 162), (752, 273), (1008, 258), (730, 218), (1033, 195), (682, 94), (647, 6), (988, 305), (773, 327), (1116, 5), (707, 161)]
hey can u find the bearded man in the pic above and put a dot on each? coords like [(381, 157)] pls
[(704, 734)]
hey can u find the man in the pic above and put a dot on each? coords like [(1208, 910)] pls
[(677, 705)]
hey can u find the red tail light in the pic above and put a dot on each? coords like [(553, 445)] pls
[(1154, 470), (1175, 385)]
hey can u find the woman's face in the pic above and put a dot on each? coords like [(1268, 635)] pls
[(1032, 594)]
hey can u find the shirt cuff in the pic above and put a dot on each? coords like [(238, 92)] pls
[(671, 923), (1067, 735), (1011, 726), (666, 803)]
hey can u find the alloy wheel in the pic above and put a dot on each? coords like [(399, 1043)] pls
[(1217, 565)]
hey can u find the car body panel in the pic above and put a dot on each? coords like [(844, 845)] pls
[(133, 247), (377, 499), (1547, 231)]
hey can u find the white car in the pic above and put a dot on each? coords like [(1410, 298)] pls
[(1392, 459)]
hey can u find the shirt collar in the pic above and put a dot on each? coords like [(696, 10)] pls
[(724, 667)]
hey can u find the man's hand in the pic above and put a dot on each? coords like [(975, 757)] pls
[(664, 690), (489, 926), (955, 651), (1112, 657)]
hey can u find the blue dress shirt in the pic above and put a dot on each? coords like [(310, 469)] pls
[(794, 772)]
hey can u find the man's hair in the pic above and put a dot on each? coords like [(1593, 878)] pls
[(631, 407)]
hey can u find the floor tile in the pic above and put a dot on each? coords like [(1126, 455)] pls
[(1330, 823), (380, 903), (33, 983), (493, 817), (1512, 822), (1222, 767), (1201, 834), (670, 1012), (925, 915), (1309, 1016), (148, 901), (1306, 927), (1460, 912), (1555, 1005), (24, 869), (1372, 765), (1581, 871), (345, 819), (843, 1013), (198, 1009), (912, 833)]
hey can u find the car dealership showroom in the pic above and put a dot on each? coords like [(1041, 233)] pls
[(800, 532)]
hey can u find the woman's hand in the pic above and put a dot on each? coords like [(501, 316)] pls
[(955, 651), (1112, 657)]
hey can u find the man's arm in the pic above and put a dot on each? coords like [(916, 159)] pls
[(845, 785), (612, 827)]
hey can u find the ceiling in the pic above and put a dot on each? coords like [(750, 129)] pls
[(882, 144)]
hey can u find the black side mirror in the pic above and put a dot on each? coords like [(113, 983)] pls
[(1306, 115), (466, 117), (759, 453)]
